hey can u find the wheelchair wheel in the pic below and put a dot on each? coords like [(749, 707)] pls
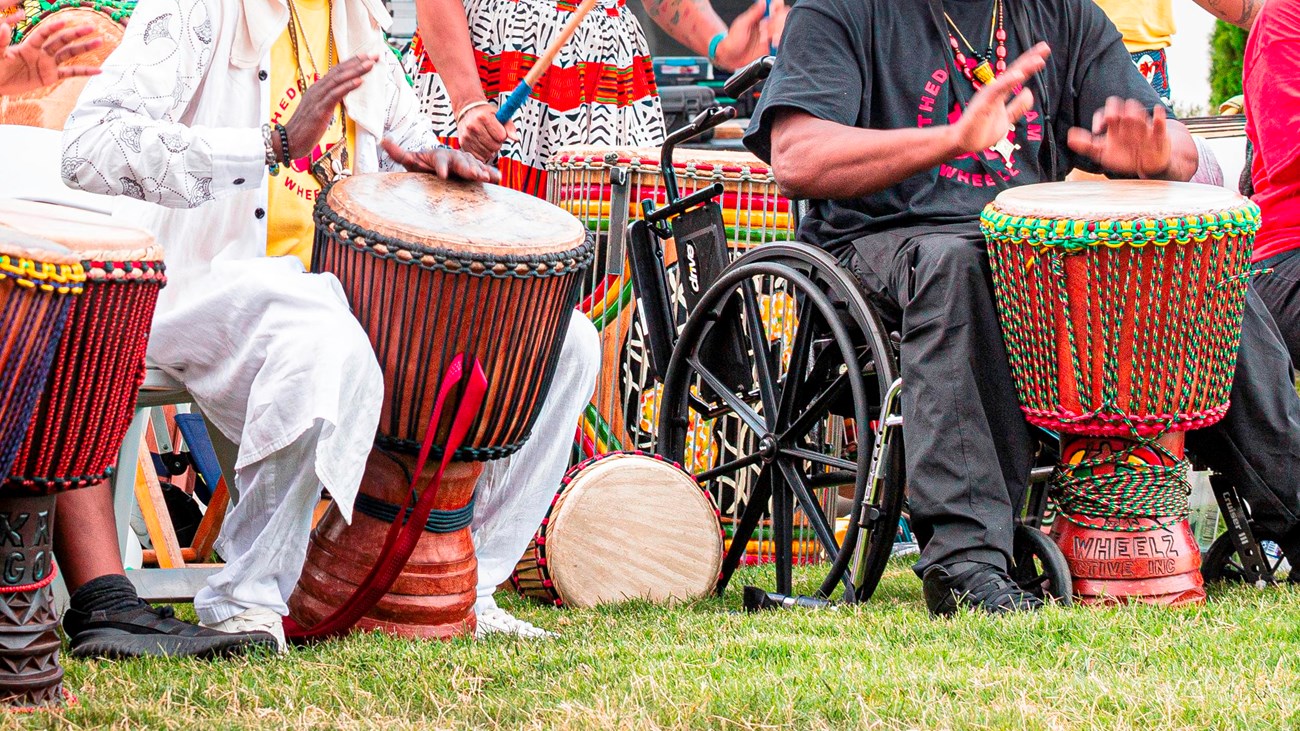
[(1222, 563), (786, 361), (1039, 567)]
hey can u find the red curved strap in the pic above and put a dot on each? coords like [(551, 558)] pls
[(402, 536)]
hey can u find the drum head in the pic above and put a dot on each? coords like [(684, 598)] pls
[(25, 246), (92, 236), (1115, 200), (633, 527), (429, 214), (50, 106)]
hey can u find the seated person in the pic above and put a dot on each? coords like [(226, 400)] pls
[(182, 125), (868, 114), (87, 544), (1270, 70)]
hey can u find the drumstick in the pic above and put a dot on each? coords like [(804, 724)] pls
[(525, 87)]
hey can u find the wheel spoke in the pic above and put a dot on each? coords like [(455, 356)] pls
[(759, 345), (799, 486), (727, 468), (819, 458), (815, 410), (738, 405), (798, 363)]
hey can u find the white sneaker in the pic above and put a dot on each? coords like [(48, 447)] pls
[(255, 619), (499, 621)]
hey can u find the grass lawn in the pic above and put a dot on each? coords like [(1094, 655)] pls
[(1234, 663)]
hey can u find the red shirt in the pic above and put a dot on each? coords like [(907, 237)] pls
[(1271, 71)]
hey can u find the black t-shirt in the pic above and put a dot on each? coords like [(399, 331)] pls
[(886, 64)]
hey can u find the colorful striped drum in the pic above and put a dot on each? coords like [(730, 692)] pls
[(1121, 304)]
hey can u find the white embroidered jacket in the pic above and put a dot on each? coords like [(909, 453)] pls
[(174, 123)]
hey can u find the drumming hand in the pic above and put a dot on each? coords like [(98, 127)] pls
[(481, 135), (34, 63), (751, 35), (993, 111), (443, 162), (320, 104), (1125, 139)]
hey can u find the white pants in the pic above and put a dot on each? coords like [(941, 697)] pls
[(267, 529)]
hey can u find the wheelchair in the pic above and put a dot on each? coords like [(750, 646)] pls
[(781, 351)]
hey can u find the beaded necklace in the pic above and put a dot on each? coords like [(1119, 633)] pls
[(983, 72)]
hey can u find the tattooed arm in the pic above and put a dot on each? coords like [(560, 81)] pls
[(1238, 12), (694, 24)]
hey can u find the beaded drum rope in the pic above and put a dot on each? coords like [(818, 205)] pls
[(117, 10), (1180, 335)]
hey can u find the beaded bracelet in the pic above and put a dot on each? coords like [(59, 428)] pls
[(284, 144)]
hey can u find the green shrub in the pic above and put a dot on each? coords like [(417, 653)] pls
[(1227, 45)]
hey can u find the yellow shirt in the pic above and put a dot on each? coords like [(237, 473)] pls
[(292, 194), (1145, 24)]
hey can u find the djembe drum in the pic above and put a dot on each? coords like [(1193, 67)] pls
[(87, 403), (435, 269), (89, 399), (1121, 304), (38, 281), (624, 526), (50, 106)]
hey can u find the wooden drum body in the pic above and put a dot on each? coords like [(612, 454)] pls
[(433, 270), (624, 526), (1121, 304), (49, 107), (39, 281)]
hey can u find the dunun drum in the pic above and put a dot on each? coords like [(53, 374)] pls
[(39, 280), (89, 400), (625, 410), (434, 269), (49, 106), (624, 526), (1121, 304)]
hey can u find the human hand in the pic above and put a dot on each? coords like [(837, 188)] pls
[(312, 117), (752, 35), (993, 111), (1126, 139), (481, 135), (443, 162), (36, 62)]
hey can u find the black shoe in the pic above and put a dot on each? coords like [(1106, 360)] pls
[(976, 585), (147, 631)]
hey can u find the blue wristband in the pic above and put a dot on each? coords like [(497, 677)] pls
[(713, 48)]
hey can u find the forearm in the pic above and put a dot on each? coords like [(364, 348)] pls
[(1238, 12), (403, 121), (814, 158), (444, 31), (692, 22)]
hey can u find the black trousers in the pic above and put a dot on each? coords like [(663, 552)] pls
[(1280, 290), (968, 446)]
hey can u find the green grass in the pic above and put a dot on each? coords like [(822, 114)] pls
[(1234, 663)]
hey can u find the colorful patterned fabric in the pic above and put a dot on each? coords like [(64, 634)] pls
[(1154, 67), (600, 90)]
